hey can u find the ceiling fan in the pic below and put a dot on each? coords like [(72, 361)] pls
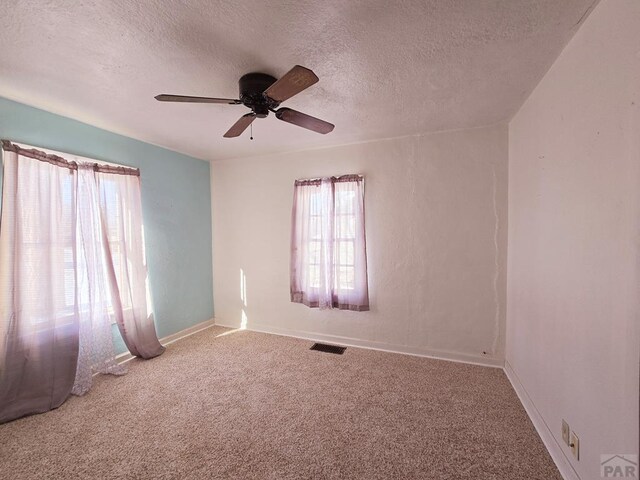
[(262, 93)]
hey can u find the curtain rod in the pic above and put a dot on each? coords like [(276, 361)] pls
[(318, 181), (63, 162)]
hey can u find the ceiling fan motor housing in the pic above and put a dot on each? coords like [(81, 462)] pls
[(252, 86)]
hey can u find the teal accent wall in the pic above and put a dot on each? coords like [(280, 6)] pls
[(176, 206)]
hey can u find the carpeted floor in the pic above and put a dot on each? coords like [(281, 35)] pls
[(245, 405)]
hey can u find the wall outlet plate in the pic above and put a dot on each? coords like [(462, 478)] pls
[(565, 433), (575, 445)]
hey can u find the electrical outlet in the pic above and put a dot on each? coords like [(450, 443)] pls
[(565, 433), (575, 445)]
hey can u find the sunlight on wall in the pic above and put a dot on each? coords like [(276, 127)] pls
[(496, 276), (243, 298), (147, 284), (148, 295)]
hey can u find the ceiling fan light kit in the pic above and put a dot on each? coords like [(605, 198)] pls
[(263, 93)]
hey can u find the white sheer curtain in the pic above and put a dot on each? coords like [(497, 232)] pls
[(96, 353), (123, 238), (71, 259), (38, 286), (328, 244)]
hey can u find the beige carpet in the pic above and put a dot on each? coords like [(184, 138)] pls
[(247, 405)]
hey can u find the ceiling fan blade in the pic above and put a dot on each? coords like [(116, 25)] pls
[(303, 120), (188, 99), (240, 126), (292, 83)]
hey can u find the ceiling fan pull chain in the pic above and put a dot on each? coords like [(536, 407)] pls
[(251, 137)]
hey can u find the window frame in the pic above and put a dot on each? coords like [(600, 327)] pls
[(65, 313), (336, 221)]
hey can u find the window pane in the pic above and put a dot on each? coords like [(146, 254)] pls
[(316, 208), (69, 278), (345, 254), (314, 276), (345, 199), (120, 268), (315, 226), (314, 252), (346, 226), (346, 278)]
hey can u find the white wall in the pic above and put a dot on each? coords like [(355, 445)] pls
[(574, 219), (431, 242)]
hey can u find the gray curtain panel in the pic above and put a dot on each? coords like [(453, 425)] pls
[(38, 297)]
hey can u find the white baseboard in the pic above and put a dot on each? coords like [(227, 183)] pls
[(198, 327), (553, 447), (385, 347)]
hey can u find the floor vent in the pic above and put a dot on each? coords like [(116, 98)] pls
[(323, 347)]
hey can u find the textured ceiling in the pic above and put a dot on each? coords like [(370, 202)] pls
[(386, 68)]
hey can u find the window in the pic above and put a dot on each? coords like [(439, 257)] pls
[(64, 220), (75, 279), (328, 247), (36, 247), (118, 220)]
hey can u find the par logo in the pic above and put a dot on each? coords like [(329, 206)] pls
[(614, 465)]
